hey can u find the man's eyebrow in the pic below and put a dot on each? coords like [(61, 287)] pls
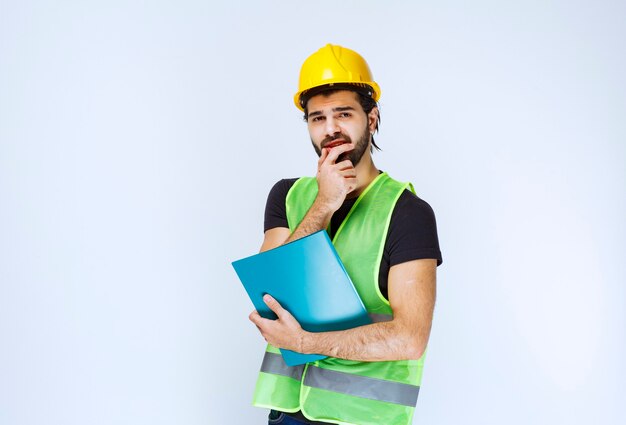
[(337, 109)]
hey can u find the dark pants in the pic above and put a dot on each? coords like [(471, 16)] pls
[(280, 418)]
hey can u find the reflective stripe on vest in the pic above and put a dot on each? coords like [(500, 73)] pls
[(274, 363), (361, 386), (347, 383)]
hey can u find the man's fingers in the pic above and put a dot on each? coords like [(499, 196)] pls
[(255, 318), (336, 151), (274, 305), (345, 165), (348, 174), (322, 157), (351, 182)]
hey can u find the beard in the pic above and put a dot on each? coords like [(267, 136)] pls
[(354, 155)]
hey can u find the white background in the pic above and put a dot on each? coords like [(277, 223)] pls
[(138, 141)]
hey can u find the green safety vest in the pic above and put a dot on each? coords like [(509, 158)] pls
[(337, 390)]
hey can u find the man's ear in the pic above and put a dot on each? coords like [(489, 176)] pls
[(372, 119)]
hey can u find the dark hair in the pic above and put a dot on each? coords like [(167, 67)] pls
[(366, 101)]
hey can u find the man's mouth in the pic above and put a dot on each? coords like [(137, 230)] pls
[(334, 143)]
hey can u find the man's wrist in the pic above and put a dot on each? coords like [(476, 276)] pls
[(307, 343), (323, 208)]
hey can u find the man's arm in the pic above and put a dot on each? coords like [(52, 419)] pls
[(412, 291), (335, 181), (274, 237)]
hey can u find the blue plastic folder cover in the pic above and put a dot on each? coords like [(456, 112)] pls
[(307, 278)]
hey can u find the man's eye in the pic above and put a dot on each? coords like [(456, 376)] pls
[(317, 119), (345, 115)]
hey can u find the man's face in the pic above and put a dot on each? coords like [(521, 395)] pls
[(337, 119)]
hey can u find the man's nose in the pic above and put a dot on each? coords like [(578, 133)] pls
[(332, 127)]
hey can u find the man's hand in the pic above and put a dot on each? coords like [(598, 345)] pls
[(335, 180), (284, 332)]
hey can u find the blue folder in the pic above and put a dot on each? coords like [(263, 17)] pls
[(307, 278)]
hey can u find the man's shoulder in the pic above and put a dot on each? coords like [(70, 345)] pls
[(275, 213), (278, 192), (282, 186), (413, 230), (411, 204)]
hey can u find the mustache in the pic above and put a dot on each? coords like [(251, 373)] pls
[(334, 137)]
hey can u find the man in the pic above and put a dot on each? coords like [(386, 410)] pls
[(387, 239)]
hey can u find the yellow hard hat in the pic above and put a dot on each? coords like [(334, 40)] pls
[(335, 65)]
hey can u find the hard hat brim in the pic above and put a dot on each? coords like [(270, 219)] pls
[(369, 88)]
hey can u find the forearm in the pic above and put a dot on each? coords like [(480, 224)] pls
[(317, 218), (376, 342), (412, 299)]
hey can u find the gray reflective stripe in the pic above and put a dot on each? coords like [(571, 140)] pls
[(380, 317), (362, 386), (274, 363)]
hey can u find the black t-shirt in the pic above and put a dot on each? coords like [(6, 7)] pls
[(412, 233)]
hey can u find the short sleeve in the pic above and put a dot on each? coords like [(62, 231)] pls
[(275, 211), (412, 231)]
